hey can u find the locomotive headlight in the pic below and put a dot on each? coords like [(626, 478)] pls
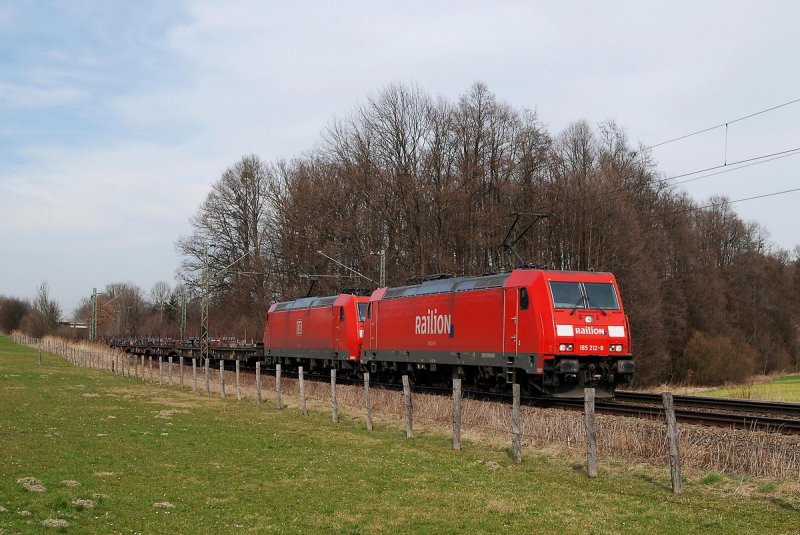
[(564, 347)]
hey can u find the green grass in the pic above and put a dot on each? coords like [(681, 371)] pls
[(232, 466), (783, 388)]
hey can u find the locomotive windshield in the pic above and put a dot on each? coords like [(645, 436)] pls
[(601, 296), (567, 294), (592, 295), (362, 311)]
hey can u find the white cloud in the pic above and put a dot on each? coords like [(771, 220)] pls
[(225, 80), (38, 96)]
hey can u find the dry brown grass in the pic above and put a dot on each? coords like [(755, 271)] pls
[(55, 523), (31, 484), (703, 449)]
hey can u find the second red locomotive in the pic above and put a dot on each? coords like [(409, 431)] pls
[(554, 332)]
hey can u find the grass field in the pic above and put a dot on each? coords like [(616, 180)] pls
[(783, 388), (116, 456)]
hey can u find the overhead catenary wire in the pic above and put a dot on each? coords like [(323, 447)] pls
[(725, 203), (738, 162), (728, 168), (736, 168), (720, 125)]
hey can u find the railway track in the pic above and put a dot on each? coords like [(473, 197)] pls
[(766, 407), (772, 417)]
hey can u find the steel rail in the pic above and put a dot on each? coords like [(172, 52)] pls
[(719, 419), (773, 407)]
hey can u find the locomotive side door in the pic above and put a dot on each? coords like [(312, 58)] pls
[(511, 321), (372, 319), (339, 334)]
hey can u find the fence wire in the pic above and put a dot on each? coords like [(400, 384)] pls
[(751, 453)]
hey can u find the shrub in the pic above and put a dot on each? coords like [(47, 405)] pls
[(715, 359)]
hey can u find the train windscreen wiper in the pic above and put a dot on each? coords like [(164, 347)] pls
[(575, 308), (589, 303)]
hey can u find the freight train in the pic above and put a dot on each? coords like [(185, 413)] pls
[(553, 332)]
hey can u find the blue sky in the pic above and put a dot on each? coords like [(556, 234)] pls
[(116, 117)]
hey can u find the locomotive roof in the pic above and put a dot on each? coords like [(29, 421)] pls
[(456, 284), (461, 284), (307, 302)]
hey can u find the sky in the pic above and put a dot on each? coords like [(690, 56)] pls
[(116, 117)]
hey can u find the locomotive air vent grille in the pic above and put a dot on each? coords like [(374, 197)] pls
[(447, 286)]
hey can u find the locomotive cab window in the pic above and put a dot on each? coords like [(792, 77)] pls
[(567, 294), (591, 295), (369, 311), (523, 299), (601, 296), (362, 311), (341, 313)]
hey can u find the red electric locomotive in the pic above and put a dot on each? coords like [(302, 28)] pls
[(325, 329), (554, 332)]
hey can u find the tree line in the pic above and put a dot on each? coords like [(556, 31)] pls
[(434, 183)]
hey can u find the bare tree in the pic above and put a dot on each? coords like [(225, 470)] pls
[(229, 233), (44, 314), (160, 295)]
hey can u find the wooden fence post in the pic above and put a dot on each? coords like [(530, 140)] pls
[(672, 435), (180, 370), (408, 407), (367, 401), (160, 373), (456, 414), (142, 368), (150, 361), (258, 382), (40, 356), (591, 432), (170, 370), (208, 372), (238, 384), (222, 378), (278, 386), (303, 408), (334, 406), (194, 375), (516, 427), (135, 366)]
